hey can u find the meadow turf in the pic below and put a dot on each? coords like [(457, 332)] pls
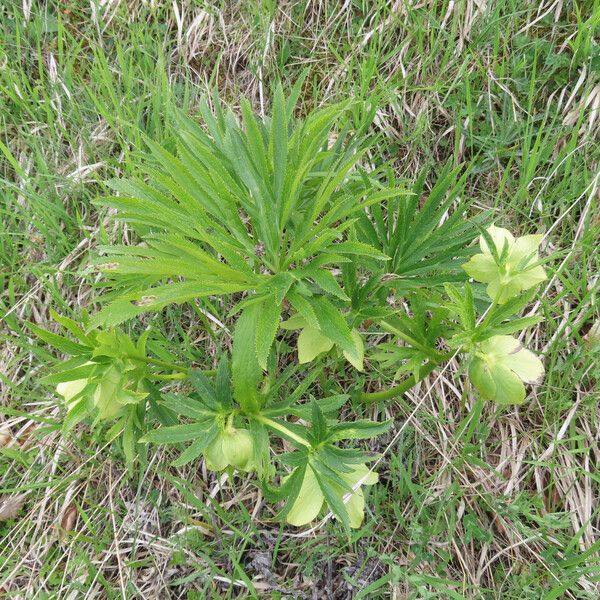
[(505, 506)]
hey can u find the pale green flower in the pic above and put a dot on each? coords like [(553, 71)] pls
[(500, 366), (310, 498), (109, 395), (312, 343), (519, 270), (105, 397), (233, 447), (70, 389)]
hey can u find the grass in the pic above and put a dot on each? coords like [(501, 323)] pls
[(504, 505)]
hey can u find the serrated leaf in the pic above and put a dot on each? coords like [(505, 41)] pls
[(203, 387), (76, 414), (333, 498), (361, 429), (359, 249), (128, 441), (328, 283), (176, 434), (82, 372), (333, 325), (187, 407), (195, 449), (246, 371), (223, 382), (260, 439), (58, 341), (266, 329)]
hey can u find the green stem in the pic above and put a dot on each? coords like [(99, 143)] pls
[(164, 364), (397, 390), (283, 429), (171, 377), (409, 340)]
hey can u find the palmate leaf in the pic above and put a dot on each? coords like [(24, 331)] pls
[(427, 240), (244, 205)]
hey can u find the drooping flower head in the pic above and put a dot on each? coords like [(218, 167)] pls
[(108, 391), (232, 447)]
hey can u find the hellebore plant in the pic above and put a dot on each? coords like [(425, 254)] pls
[(323, 263)]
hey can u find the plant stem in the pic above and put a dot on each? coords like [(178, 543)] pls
[(171, 377), (164, 364), (283, 429), (401, 388), (409, 340)]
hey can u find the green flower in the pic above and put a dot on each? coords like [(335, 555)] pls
[(310, 498), (499, 368), (312, 343), (108, 393), (233, 447), (69, 390), (518, 269)]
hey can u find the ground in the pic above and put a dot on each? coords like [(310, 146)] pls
[(506, 508)]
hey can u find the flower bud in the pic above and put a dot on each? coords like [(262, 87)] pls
[(238, 448), (233, 447)]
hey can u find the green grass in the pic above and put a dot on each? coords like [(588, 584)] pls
[(505, 505)]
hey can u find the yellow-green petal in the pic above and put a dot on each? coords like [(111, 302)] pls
[(502, 289), (105, 396), (531, 277), (69, 389), (308, 503), (509, 388), (311, 343), (482, 267), (499, 345), (499, 236), (361, 470), (525, 364), (356, 509), (356, 503), (524, 251), (481, 377)]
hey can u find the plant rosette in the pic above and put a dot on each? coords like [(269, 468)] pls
[(310, 498), (499, 368), (510, 268)]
